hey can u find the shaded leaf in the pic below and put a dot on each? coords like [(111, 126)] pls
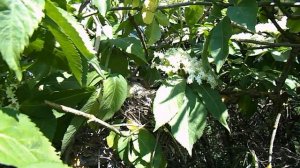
[(130, 45), (219, 47), (188, 124), (18, 20), (168, 100), (212, 101), (244, 13)]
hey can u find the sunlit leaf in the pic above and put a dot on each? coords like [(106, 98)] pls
[(114, 95), (193, 14), (188, 124), (153, 33), (21, 142), (71, 28), (18, 20), (168, 100)]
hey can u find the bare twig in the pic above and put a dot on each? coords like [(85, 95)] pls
[(91, 118), (267, 43), (273, 138)]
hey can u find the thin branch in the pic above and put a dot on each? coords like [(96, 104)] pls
[(91, 118), (175, 5), (139, 33), (273, 138), (267, 43), (284, 11)]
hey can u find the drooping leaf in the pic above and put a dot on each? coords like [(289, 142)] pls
[(215, 13), (148, 10), (75, 60), (193, 14), (91, 107), (130, 45), (168, 100), (153, 32), (71, 28), (18, 20), (219, 47), (293, 24), (213, 102), (21, 142), (161, 18), (102, 5), (244, 13), (188, 124), (114, 95)]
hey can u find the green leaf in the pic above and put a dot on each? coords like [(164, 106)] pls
[(21, 142), (116, 61), (45, 165), (213, 102), (219, 47), (294, 25), (18, 20), (122, 148), (114, 95), (102, 5), (188, 124), (91, 107), (153, 33), (215, 13), (162, 18), (149, 149), (69, 25), (75, 61), (130, 45), (244, 13), (110, 139), (193, 14), (168, 100)]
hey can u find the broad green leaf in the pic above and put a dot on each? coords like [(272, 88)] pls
[(91, 107), (21, 142), (71, 28), (149, 149), (148, 10), (75, 60), (219, 47), (114, 95), (153, 33), (116, 61), (168, 100), (130, 45), (193, 14), (212, 101), (188, 124), (102, 5), (244, 13), (18, 20), (123, 147), (161, 18), (44, 164)]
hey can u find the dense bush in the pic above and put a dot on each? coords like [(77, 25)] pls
[(217, 80)]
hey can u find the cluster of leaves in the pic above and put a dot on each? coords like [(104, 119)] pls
[(84, 54)]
